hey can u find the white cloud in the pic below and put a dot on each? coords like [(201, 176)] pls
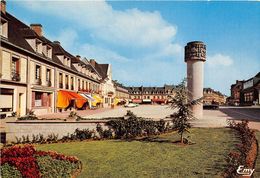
[(219, 60), (131, 27), (101, 54), (139, 44), (67, 38)]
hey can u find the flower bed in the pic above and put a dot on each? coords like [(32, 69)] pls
[(246, 151), (26, 161)]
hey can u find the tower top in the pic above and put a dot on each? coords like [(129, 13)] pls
[(196, 51)]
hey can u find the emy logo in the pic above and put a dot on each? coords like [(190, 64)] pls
[(241, 170)]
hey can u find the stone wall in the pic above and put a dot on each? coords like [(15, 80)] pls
[(62, 128), (45, 127)]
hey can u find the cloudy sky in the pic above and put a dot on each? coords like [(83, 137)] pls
[(144, 41)]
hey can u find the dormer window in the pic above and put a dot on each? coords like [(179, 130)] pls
[(79, 67), (64, 61), (49, 51), (4, 28), (38, 46), (84, 69), (68, 62)]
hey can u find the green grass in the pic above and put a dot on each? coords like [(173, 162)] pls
[(117, 159)]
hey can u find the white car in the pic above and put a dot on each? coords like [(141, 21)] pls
[(131, 105)]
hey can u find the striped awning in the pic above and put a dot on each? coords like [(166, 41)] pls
[(87, 96)]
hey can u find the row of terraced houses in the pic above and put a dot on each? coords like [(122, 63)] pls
[(39, 74)]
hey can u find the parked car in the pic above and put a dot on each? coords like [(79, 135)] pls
[(131, 105), (210, 106)]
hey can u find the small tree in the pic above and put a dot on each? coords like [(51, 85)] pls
[(181, 102)]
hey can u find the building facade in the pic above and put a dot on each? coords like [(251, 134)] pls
[(150, 94), (107, 86), (246, 92), (211, 96), (122, 94), (37, 74), (250, 94), (235, 90)]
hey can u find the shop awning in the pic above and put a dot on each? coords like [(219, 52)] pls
[(64, 98), (87, 96), (147, 100), (158, 100), (137, 101), (97, 100), (116, 101)]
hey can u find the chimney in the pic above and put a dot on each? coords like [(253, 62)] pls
[(3, 6), (37, 28), (92, 62), (78, 57), (56, 42)]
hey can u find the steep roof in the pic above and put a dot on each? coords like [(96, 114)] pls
[(101, 69), (147, 89), (213, 91), (18, 32), (15, 36)]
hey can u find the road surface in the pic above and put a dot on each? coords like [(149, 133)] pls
[(242, 113)]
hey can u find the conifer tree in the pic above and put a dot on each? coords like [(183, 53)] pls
[(183, 104)]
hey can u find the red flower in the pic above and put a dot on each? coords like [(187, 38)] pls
[(24, 159)]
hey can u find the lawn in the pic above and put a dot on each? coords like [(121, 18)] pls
[(114, 158)]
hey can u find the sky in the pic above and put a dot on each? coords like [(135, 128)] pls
[(144, 40)]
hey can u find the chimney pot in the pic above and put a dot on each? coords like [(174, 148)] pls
[(3, 6), (37, 28), (56, 42), (92, 62)]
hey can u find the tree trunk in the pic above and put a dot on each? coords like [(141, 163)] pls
[(182, 138)]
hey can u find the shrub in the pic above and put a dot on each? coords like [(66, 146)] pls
[(39, 138), (52, 138), (83, 134), (14, 114), (104, 133), (161, 126), (241, 154), (108, 133), (29, 116), (8, 171), (75, 115), (132, 126), (78, 135)]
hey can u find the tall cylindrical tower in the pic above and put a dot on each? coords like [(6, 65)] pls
[(195, 56)]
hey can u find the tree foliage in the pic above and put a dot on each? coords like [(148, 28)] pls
[(183, 104)]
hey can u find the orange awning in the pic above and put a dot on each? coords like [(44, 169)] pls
[(64, 98)]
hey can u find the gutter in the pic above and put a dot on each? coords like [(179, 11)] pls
[(70, 70)]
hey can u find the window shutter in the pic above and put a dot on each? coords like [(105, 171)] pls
[(18, 66), (33, 99)]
